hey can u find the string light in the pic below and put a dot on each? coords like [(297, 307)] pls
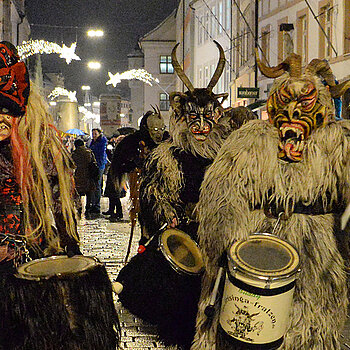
[(32, 47), (59, 91), (139, 74)]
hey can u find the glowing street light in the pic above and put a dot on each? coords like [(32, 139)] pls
[(94, 65), (95, 33), (85, 87)]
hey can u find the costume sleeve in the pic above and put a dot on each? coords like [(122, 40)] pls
[(161, 182)]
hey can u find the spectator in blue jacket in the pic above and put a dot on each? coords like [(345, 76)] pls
[(98, 146)]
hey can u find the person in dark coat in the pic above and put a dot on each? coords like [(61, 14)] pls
[(130, 154), (82, 157), (98, 146), (114, 194)]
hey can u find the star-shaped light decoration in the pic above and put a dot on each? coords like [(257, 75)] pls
[(69, 53), (32, 47), (114, 79), (139, 74), (59, 91)]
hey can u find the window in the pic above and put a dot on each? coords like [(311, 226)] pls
[(206, 27), (165, 65), (200, 31), (228, 15), (213, 22), (265, 44), (164, 102), (206, 76), (221, 22), (302, 38), (326, 18), (328, 30)]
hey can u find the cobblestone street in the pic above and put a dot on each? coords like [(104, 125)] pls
[(108, 242)]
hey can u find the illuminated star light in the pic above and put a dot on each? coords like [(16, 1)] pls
[(32, 47), (69, 53), (59, 91), (139, 74)]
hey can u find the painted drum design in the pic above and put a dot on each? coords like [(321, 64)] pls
[(259, 290)]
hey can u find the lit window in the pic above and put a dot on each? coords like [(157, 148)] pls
[(164, 102), (165, 65)]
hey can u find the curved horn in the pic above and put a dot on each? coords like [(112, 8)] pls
[(154, 110), (181, 74), (321, 68), (338, 90), (291, 64), (219, 69)]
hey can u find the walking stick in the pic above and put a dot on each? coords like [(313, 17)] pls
[(135, 206)]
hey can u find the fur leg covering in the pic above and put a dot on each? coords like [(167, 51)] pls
[(251, 177), (71, 314), (153, 291)]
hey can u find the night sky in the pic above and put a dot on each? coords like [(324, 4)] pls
[(66, 21)]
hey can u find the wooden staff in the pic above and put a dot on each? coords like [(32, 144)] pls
[(134, 179)]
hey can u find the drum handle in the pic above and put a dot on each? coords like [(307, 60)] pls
[(210, 309)]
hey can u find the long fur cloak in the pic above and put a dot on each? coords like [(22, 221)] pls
[(247, 177)]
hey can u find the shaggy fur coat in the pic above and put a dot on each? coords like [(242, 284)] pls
[(170, 186), (246, 178)]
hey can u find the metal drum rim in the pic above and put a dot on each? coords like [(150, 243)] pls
[(290, 270), (173, 263), (31, 277)]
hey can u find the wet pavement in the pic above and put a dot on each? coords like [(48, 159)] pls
[(108, 242)]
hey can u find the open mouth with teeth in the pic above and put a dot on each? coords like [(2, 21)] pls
[(200, 134), (292, 141)]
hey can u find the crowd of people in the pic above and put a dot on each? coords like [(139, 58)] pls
[(244, 243)]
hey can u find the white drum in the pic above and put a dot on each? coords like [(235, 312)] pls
[(259, 290)]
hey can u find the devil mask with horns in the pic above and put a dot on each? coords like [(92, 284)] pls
[(199, 108), (299, 102)]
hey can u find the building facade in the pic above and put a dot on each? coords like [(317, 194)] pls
[(157, 46), (14, 25), (317, 29)]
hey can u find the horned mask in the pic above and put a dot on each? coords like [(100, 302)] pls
[(299, 102), (200, 108)]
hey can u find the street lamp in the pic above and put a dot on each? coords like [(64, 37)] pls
[(93, 33), (85, 87), (94, 65)]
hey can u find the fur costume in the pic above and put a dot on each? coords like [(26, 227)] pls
[(264, 169), (169, 191), (37, 220)]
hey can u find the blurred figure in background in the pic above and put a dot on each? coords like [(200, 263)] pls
[(85, 183), (114, 194), (98, 146)]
